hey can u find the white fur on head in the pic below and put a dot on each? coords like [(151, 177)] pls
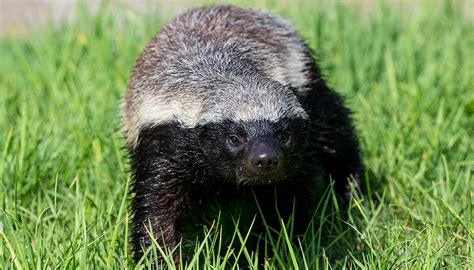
[(253, 100), (264, 101), (218, 62), (153, 110)]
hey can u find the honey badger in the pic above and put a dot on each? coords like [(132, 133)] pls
[(225, 102)]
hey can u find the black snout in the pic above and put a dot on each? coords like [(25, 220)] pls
[(263, 158)]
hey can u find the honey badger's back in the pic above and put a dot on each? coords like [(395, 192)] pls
[(177, 76)]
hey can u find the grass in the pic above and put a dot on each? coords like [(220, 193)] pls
[(408, 74)]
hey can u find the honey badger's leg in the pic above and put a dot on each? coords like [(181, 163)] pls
[(161, 199), (333, 138)]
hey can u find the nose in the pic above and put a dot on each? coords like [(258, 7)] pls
[(264, 158)]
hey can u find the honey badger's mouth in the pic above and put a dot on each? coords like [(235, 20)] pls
[(250, 178)]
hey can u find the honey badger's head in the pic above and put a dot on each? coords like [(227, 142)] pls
[(254, 152), (255, 133)]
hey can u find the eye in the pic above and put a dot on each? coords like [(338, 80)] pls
[(285, 137), (234, 140)]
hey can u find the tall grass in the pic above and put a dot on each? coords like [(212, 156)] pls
[(407, 74)]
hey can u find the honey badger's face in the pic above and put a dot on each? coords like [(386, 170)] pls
[(254, 152)]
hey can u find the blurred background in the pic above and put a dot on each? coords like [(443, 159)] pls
[(17, 17)]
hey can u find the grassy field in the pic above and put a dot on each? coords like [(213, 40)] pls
[(407, 74)]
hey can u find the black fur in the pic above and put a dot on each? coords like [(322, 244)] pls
[(333, 138)]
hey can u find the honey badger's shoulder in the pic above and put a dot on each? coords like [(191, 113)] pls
[(179, 74)]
